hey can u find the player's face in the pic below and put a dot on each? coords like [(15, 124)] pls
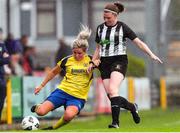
[(78, 53), (110, 18)]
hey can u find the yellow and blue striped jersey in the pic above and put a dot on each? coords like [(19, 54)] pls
[(76, 81)]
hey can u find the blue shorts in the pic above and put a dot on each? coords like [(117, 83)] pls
[(60, 98)]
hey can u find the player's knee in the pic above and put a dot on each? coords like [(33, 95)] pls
[(41, 111), (113, 92)]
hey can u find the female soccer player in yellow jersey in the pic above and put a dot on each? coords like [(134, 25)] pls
[(73, 90)]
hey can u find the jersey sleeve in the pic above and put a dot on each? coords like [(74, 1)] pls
[(59, 62), (97, 39), (128, 33), (63, 61)]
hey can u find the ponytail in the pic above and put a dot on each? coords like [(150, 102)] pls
[(115, 8), (120, 6), (82, 38)]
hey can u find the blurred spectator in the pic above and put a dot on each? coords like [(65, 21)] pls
[(27, 63), (14, 49), (4, 59), (12, 45), (63, 51), (15, 65), (23, 43)]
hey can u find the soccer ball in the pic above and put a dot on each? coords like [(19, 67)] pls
[(30, 123)]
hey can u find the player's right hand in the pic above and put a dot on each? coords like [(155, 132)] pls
[(37, 89)]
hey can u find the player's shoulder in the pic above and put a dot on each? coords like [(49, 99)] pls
[(89, 56), (100, 25), (64, 60), (67, 57), (121, 23)]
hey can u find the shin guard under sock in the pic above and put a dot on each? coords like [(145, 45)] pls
[(115, 109)]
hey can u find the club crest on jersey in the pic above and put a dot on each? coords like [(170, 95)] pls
[(86, 64), (118, 67)]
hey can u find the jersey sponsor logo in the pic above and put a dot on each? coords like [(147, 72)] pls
[(76, 71), (105, 42)]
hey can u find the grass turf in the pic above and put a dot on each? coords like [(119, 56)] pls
[(155, 120)]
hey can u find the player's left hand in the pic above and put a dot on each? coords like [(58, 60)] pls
[(92, 65), (97, 62), (90, 68), (154, 57)]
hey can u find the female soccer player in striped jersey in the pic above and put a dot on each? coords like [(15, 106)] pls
[(73, 90), (111, 49)]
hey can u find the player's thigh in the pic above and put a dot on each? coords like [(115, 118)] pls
[(115, 82), (106, 85)]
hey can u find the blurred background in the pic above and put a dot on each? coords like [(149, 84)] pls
[(37, 33)]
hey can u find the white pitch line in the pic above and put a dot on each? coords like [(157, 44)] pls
[(91, 132)]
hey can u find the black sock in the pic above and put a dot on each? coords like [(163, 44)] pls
[(115, 109), (123, 103)]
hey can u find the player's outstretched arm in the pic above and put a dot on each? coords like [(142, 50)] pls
[(49, 76), (146, 49)]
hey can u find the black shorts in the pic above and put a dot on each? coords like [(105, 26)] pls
[(113, 63)]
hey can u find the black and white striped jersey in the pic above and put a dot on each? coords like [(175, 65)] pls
[(113, 38)]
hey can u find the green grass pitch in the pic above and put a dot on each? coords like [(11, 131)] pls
[(156, 120)]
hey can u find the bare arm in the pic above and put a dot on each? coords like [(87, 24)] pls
[(96, 53), (146, 49), (49, 76), (95, 59)]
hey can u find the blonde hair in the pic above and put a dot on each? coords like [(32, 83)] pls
[(82, 39)]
